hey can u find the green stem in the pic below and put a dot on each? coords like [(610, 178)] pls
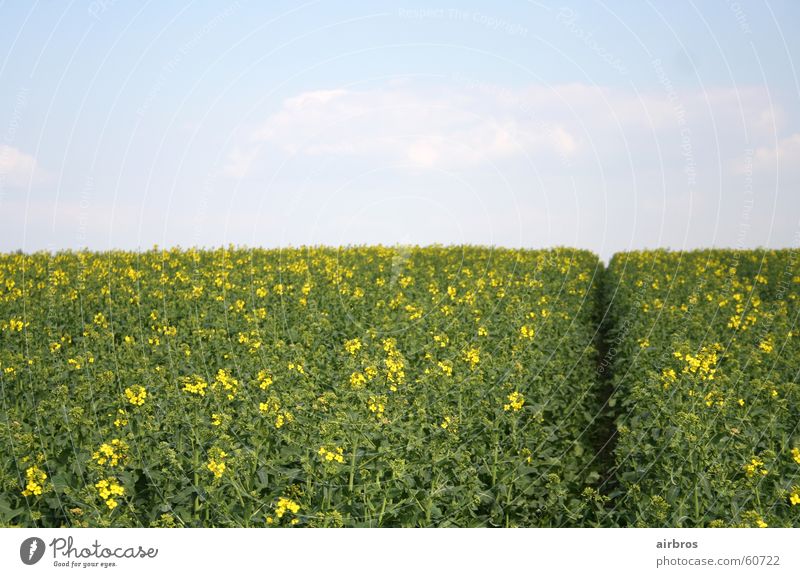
[(196, 477), (352, 470), (383, 510), (494, 464), (508, 503)]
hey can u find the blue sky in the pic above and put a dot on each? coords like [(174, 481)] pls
[(607, 126)]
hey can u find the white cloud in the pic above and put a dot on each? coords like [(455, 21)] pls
[(782, 158), (18, 169), (423, 128), (468, 125), (238, 162), (564, 141)]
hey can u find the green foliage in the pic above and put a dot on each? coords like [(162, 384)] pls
[(399, 387), (310, 387), (705, 356)]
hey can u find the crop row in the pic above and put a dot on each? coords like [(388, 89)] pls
[(309, 387), (704, 349)]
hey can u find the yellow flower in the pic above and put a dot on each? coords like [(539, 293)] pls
[(441, 340), (227, 381), (414, 312), (136, 395), (296, 367), (526, 332), (122, 418), (516, 401), (794, 497), (472, 356), (352, 346), (395, 366), (111, 453), (357, 380), (669, 377), (194, 384), (527, 454), (284, 506), (273, 407), (796, 455), (34, 481), (704, 364), (337, 454), (108, 489), (755, 467), (216, 464), (377, 404), (264, 379)]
